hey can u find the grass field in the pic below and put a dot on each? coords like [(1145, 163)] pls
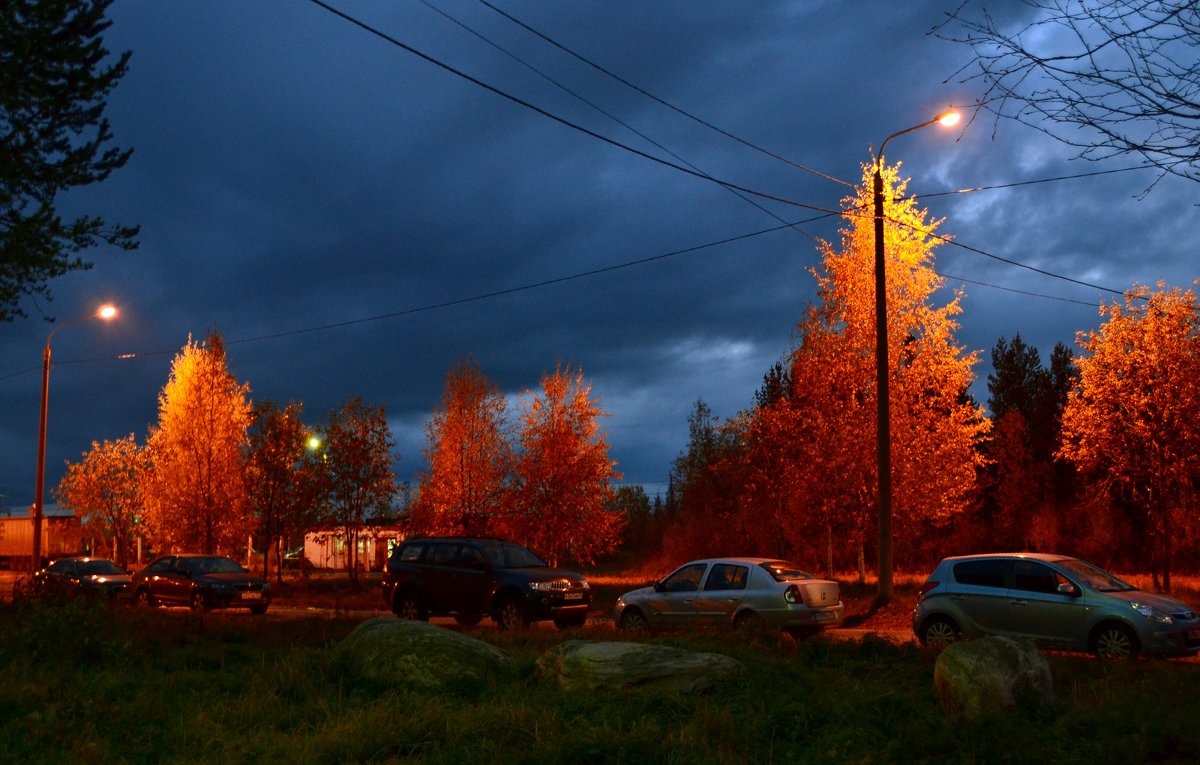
[(83, 683)]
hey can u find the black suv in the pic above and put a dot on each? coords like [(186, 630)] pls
[(470, 578)]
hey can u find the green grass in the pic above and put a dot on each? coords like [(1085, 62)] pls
[(81, 684)]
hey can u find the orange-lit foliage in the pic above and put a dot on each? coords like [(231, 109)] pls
[(1133, 423), (195, 495), (278, 477), (358, 480), (809, 455), (470, 457), (102, 491), (564, 506)]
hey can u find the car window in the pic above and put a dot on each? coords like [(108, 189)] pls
[(160, 565), (99, 568), (686, 579), (442, 554), (411, 553), (512, 556), (783, 571), (63, 567), (726, 576), (1032, 576), (470, 557), (982, 573), (1095, 577)]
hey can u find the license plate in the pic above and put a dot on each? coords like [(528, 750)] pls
[(573, 596), (251, 596), (824, 617)]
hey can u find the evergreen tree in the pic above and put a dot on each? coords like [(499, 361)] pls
[(53, 138)]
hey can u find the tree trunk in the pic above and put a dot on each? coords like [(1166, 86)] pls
[(829, 551), (862, 564)]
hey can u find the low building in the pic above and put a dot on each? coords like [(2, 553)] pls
[(327, 547)]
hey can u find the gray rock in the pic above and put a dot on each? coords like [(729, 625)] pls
[(586, 665), (979, 678), (410, 653)]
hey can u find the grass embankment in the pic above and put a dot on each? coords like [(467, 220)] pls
[(86, 684)]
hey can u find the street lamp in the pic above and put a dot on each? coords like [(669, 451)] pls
[(105, 312), (884, 421)]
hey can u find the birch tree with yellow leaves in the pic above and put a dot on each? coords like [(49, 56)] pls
[(103, 491), (1132, 424), (194, 492)]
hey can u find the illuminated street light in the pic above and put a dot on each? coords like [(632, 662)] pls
[(106, 312), (884, 423)]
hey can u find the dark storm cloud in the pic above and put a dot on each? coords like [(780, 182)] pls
[(314, 193)]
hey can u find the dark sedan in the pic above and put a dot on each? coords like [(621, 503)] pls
[(68, 577), (201, 582)]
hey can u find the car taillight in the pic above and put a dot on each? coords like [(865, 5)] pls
[(792, 594), (929, 585)]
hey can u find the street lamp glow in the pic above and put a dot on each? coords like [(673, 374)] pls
[(106, 312), (314, 443), (949, 119)]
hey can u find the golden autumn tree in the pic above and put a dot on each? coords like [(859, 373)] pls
[(357, 479), (565, 495), (826, 426), (194, 492), (470, 456), (1132, 424), (103, 492)]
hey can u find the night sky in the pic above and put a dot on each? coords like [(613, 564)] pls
[(352, 217)]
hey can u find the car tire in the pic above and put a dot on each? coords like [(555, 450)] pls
[(407, 605), (143, 599), (510, 614), (1115, 642), (633, 621), (198, 602), (749, 621), (467, 620), (939, 632), (258, 610)]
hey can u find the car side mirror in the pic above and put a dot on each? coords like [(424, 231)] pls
[(659, 587), (1068, 589)]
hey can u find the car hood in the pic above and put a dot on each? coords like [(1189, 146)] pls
[(108, 578), (639, 594), (1163, 603), (230, 578), (550, 574)]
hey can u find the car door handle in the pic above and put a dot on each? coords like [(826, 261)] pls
[(1020, 602)]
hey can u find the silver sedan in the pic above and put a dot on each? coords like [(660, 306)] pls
[(733, 592)]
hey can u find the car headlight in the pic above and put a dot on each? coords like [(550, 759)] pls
[(1152, 613)]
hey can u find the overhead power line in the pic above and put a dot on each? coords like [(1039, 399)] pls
[(556, 118), (656, 99)]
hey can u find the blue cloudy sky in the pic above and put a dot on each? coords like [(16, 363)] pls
[(353, 218)]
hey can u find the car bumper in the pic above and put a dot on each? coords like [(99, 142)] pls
[(804, 616), (1177, 641), (543, 606)]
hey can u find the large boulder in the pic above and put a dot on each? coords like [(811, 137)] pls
[(410, 653), (978, 678), (586, 665)]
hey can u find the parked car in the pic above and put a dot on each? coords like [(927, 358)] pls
[(1058, 601), (201, 582), (734, 592), (68, 577), (470, 578)]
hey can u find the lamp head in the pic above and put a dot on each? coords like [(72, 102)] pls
[(107, 311), (949, 119)]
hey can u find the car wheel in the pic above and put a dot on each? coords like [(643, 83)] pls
[(634, 621), (1115, 642), (749, 621), (198, 601), (802, 633), (258, 610), (510, 614), (408, 606), (143, 599), (467, 620), (939, 632)]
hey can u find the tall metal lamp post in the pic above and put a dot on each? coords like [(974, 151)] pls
[(105, 312), (884, 422)]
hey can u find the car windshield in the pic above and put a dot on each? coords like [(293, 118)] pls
[(99, 568), (512, 556), (215, 566), (1095, 577), (782, 571)]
